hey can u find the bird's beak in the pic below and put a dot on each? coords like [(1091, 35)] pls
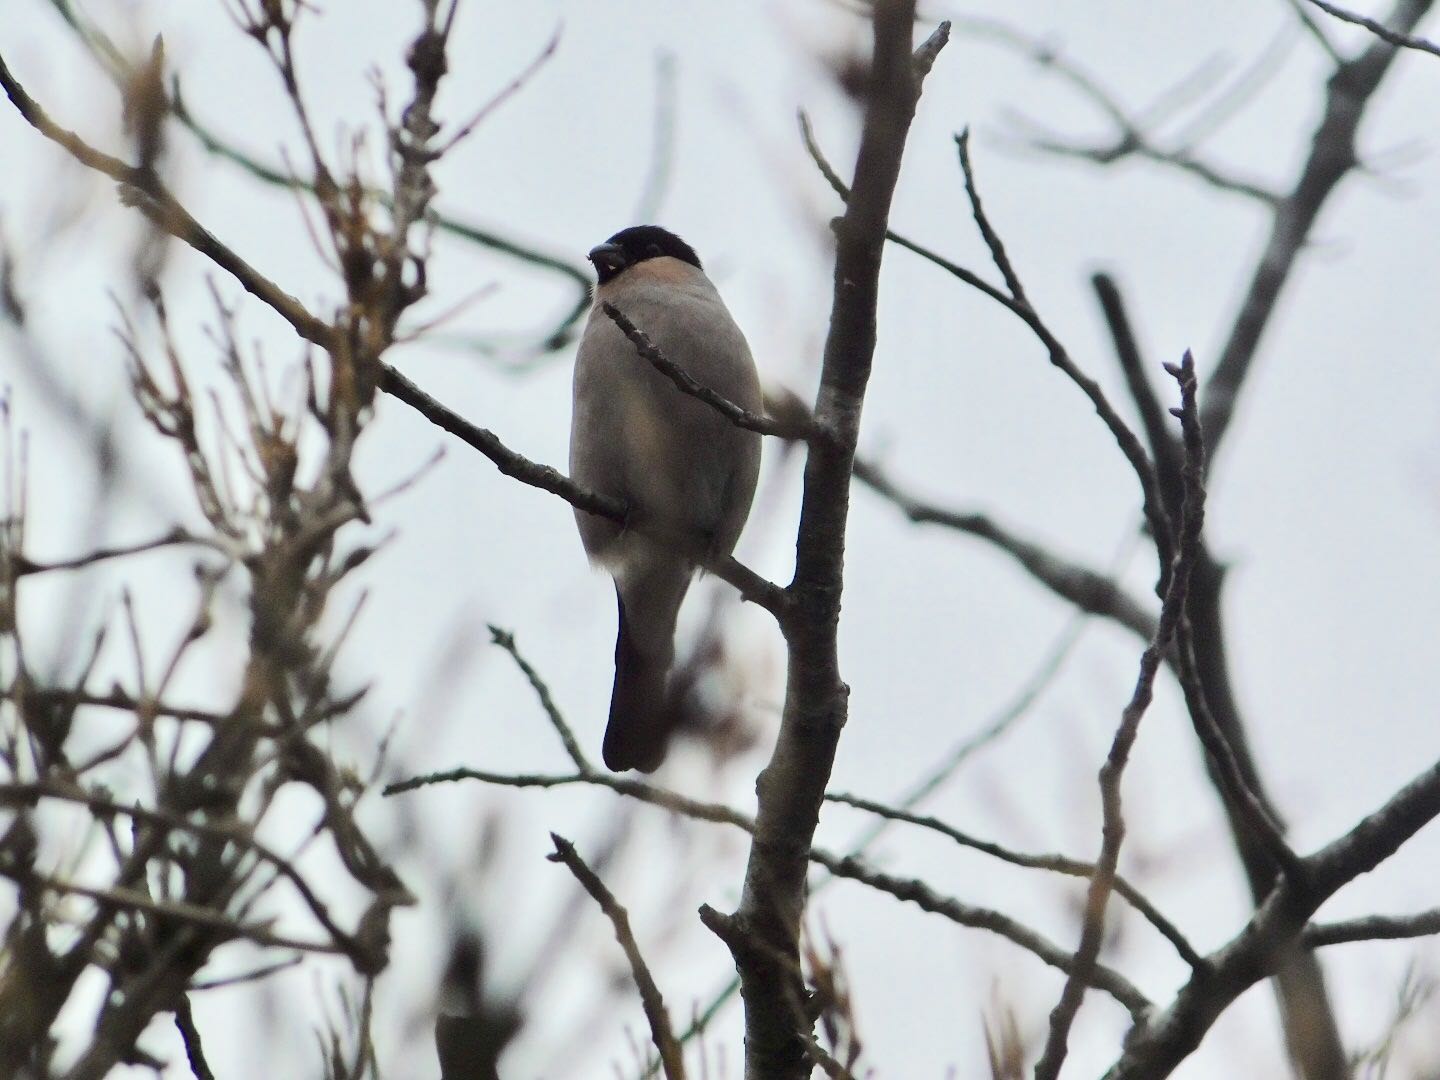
[(609, 259)]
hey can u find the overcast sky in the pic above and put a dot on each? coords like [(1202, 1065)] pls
[(1325, 498)]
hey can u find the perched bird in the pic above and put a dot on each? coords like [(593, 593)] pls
[(672, 459)]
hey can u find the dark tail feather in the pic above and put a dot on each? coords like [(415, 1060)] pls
[(639, 726)]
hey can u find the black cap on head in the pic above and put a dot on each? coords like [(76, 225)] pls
[(636, 244)]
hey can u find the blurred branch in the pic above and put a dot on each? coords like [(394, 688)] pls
[(20, 795), (1313, 28), (660, 1031), (121, 70), (190, 1036), (1132, 136), (143, 189), (173, 538), (1164, 447), (1102, 978), (662, 145), (1332, 156)]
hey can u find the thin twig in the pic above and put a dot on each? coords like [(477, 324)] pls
[(1059, 864), (173, 538), (183, 911), (506, 641), (1379, 29), (1313, 28), (1133, 136), (751, 585), (1153, 501), (686, 384), (918, 892), (507, 92), (659, 1019), (1102, 882)]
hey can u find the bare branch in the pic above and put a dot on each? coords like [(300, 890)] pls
[(1237, 792), (1278, 925), (1087, 589), (506, 641), (510, 90), (1332, 157), (969, 277), (1153, 416), (182, 911), (845, 866), (1102, 882), (1153, 501), (1313, 28), (1132, 137), (792, 786), (1373, 928), (660, 1031), (918, 892), (1379, 29), (686, 384), (1058, 864), (173, 538), (154, 200), (751, 585)]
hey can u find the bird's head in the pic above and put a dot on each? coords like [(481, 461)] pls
[(635, 245)]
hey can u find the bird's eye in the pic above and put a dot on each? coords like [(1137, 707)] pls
[(654, 251)]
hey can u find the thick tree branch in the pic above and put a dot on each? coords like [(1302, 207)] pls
[(791, 788)]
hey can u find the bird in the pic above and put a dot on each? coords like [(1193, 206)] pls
[(674, 461)]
